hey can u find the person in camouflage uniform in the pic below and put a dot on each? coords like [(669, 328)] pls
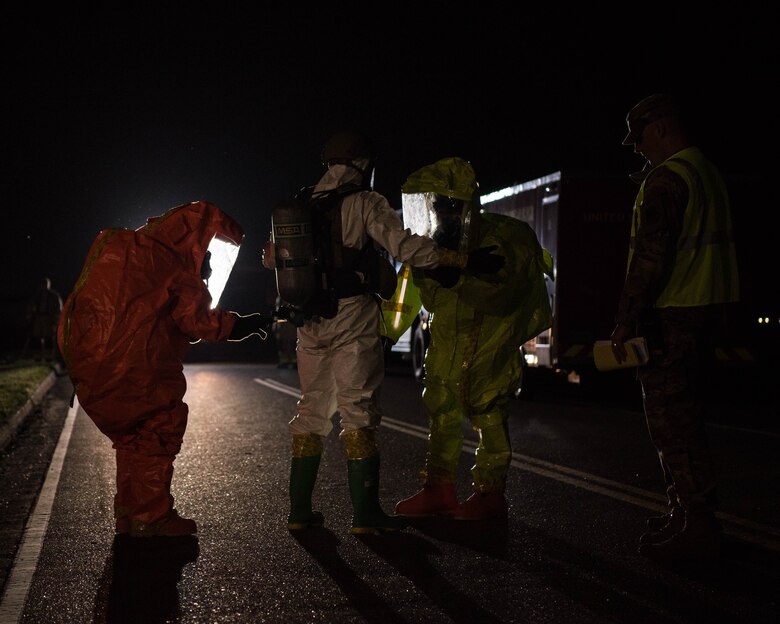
[(681, 273), (43, 314)]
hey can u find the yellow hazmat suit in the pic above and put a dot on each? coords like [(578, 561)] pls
[(478, 325)]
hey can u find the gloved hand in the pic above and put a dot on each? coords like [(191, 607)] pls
[(483, 261), (289, 314), (245, 326), (446, 276)]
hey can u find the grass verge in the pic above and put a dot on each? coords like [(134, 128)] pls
[(18, 382)]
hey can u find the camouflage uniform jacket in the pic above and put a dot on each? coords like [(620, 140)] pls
[(662, 212)]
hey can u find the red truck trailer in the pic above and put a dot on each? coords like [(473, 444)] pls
[(584, 222)]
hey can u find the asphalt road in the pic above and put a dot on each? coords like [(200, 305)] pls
[(583, 480)]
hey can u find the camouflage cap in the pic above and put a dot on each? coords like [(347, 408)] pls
[(646, 111)]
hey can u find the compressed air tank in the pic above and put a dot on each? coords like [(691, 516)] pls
[(293, 237)]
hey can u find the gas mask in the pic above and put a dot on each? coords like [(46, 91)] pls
[(205, 268), (444, 219)]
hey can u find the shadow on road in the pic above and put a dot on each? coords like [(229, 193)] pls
[(140, 579), (483, 536), (410, 555), (322, 545)]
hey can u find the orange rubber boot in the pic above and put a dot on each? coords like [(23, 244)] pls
[(433, 500), (481, 506)]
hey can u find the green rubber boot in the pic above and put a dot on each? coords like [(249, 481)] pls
[(367, 514), (303, 474)]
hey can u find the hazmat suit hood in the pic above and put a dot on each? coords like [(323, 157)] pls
[(341, 174), (426, 211), (193, 229)]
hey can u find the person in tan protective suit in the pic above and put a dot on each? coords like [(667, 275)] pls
[(140, 300)]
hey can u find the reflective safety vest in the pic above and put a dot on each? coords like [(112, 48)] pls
[(705, 265)]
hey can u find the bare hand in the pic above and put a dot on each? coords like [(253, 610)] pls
[(620, 334)]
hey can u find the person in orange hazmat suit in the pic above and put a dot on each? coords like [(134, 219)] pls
[(143, 296)]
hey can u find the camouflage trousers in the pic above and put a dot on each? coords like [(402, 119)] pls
[(673, 387)]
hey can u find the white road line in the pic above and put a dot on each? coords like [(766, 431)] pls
[(279, 387), (738, 527), (758, 432), (15, 593)]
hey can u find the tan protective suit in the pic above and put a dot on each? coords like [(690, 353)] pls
[(125, 328), (341, 360)]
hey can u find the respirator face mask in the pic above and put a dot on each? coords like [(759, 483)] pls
[(439, 217), (447, 214)]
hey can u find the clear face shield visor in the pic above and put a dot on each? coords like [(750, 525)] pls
[(444, 219), (217, 266)]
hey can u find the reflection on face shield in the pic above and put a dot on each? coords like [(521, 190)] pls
[(219, 261), (446, 220)]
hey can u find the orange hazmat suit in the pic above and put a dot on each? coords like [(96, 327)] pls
[(138, 303)]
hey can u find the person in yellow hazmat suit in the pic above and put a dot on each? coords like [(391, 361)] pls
[(478, 324)]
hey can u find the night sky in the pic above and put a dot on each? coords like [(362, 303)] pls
[(119, 116)]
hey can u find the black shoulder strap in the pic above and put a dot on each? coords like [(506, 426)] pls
[(328, 207)]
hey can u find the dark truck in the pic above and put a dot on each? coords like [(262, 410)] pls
[(584, 221)]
